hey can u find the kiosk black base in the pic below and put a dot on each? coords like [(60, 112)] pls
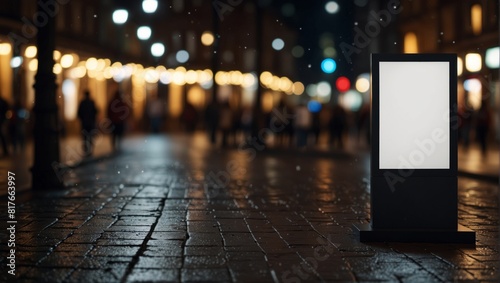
[(462, 235)]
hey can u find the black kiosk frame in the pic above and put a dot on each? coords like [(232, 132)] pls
[(414, 204)]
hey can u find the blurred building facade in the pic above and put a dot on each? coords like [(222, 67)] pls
[(95, 53), (471, 30), (468, 28)]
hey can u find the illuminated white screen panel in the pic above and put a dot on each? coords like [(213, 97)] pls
[(414, 115)]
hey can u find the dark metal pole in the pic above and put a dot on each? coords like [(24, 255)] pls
[(257, 109), (215, 53), (46, 128)]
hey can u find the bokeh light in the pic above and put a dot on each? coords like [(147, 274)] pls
[(343, 84), (67, 60), (314, 106), (323, 89), (328, 65), (30, 51), (182, 56), (473, 62), (157, 49), (492, 57), (351, 100), (297, 51), (207, 38), (363, 83), (149, 6), (278, 44), (15, 62), (5, 48), (120, 16), (144, 32), (331, 7)]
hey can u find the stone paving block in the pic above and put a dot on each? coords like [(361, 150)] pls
[(157, 262), (118, 242), (102, 262), (165, 243), (176, 193), (200, 250), (30, 257), (232, 214), (178, 235), (80, 248), (125, 235), (128, 228), (200, 215), (232, 225), (238, 239), (135, 221), (205, 275), (202, 226), (112, 273), (57, 261), (118, 251), (245, 272), (204, 239), (42, 274), (153, 192), (128, 212), (154, 275), (82, 238), (159, 251), (243, 249), (237, 256), (204, 261)]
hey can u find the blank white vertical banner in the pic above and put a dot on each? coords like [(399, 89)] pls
[(414, 115)]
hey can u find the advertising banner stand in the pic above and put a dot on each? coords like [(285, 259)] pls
[(414, 151)]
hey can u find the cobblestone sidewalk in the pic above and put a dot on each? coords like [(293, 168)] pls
[(150, 214)]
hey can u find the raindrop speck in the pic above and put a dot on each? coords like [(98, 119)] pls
[(297, 168)]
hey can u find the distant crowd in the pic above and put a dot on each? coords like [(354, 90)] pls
[(289, 126)]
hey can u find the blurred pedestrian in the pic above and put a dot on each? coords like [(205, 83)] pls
[(337, 125), (212, 120), (364, 122), (303, 122), (87, 112), (226, 122), (17, 126), (246, 122), (118, 112), (316, 126), (4, 107), (465, 113), (482, 126), (189, 117), (155, 113), (276, 123)]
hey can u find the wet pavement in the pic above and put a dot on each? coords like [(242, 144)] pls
[(174, 209)]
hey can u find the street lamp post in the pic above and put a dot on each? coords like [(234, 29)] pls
[(257, 111), (46, 128)]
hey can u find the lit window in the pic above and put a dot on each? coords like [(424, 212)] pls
[(473, 62), (476, 16), (410, 43)]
